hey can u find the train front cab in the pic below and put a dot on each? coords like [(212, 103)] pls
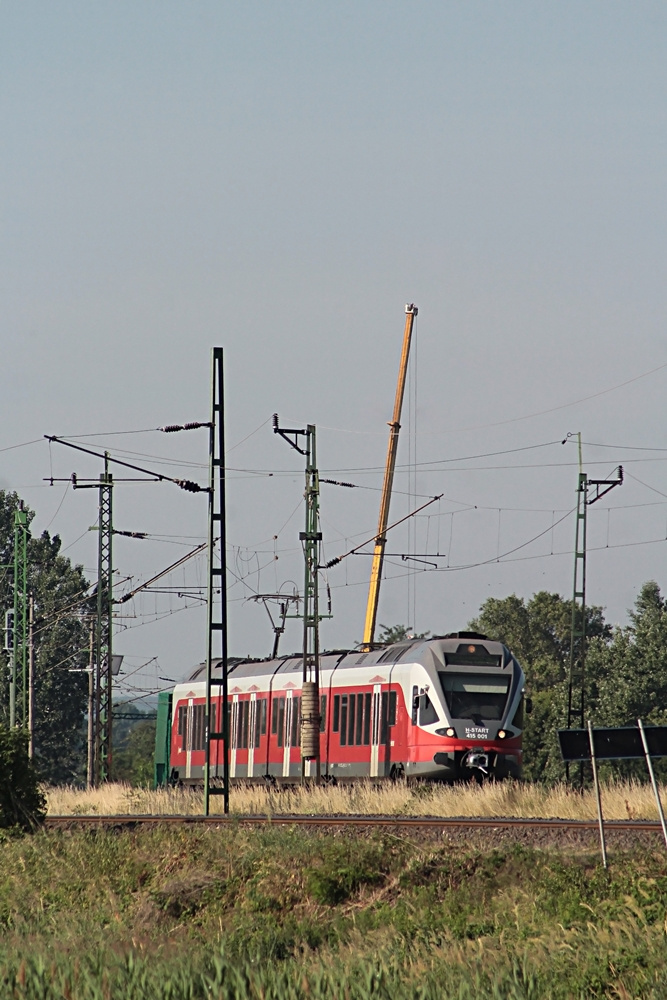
[(466, 713)]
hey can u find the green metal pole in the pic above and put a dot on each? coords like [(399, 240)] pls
[(104, 639)]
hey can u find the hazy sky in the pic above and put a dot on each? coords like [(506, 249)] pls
[(280, 179)]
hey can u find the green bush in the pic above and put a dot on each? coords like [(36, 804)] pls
[(22, 804)]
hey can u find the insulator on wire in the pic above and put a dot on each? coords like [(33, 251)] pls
[(189, 486), (192, 426), (332, 562)]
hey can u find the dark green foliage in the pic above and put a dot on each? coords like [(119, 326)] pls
[(22, 803), (61, 645), (133, 745), (198, 914), (397, 633)]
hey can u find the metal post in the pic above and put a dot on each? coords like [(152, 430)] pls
[(217, 579), (31, 675), (311, 537), (649, 764), (310, 689), (104, 638), (596, 783), (18, 691)]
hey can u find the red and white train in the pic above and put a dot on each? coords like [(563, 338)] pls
[(442, 708)]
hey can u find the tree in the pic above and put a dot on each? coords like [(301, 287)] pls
[(538, 633), (22, 803), (398, 633), (61, 646), (134, 760)]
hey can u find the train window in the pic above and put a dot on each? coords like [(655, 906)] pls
[(323, 712), (518, 715), (336, 713), (351, 720), (392, 708), (243, 724), (360, 720), (281, 720), (427, 713), (296, 704), (343, 720), (274, 717), (197, 729), (384, 728), (468, 655), (415, 704), (367, 719), (260, 720), (182, 722), (475, 696)]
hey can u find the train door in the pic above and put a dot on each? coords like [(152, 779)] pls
[(251, 735), (376, 730), (234, 733), (287, 733)]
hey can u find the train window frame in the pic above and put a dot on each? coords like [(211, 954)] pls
[(393, 708), (335, 724), (428, 715), (323, 713), (274, 716), (414, 705)]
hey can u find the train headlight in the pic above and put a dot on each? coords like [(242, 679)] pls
[(501, 734), (450, 732)]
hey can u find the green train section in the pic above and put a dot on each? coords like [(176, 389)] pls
[(162, 739), (182, 914)]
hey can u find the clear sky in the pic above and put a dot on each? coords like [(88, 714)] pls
[(280, 179)]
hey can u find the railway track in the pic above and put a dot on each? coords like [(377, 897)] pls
[(348, 821)]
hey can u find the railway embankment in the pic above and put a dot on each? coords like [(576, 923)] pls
[(190, 911)]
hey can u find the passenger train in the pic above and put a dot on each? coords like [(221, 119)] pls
[(444, 708)]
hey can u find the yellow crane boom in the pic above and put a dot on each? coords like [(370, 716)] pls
[(394, 428)]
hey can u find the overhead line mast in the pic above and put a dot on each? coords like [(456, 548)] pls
[(394, 428)]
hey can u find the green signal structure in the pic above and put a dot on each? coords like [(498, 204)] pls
[(103, 631), (589, 491)]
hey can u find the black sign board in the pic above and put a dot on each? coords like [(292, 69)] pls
[(622, 743)]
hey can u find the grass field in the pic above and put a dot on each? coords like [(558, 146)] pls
[(621, 800), (281, 914)]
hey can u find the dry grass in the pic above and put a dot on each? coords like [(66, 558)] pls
[(621, 800)]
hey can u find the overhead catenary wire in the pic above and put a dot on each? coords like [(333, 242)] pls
[(184, 484)]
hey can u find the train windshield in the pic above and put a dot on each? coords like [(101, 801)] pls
[(475, 696)]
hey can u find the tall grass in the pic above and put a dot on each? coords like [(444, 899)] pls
[(621, 800)]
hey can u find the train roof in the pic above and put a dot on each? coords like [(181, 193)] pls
[(411, 650)]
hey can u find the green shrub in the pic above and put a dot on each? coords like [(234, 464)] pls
[(22, 804)]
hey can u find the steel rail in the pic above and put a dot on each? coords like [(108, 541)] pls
[(404, 822)]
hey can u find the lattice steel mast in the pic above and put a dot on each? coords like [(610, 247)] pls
[(217, 731), (311, 537), (104, 630), (576, 689)]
